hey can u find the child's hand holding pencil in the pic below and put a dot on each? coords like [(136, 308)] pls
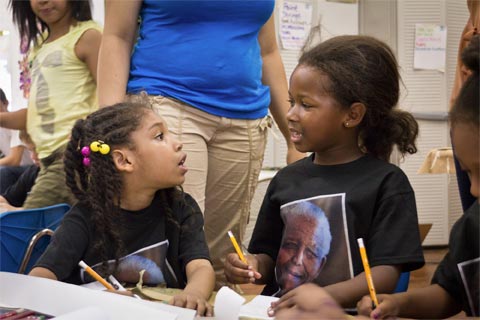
[(240, 268)]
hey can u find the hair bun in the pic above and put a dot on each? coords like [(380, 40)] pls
[(471, 55)]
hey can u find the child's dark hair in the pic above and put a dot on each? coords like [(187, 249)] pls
[(364, 69), (3, 97), (27, 21), (98, 186), (467, 104)]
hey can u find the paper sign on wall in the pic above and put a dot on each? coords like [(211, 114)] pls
[(430, 47), (295, 24)]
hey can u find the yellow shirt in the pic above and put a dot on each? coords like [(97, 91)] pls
[(62, 90)]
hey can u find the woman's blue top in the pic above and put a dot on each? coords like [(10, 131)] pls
[(204, 53)]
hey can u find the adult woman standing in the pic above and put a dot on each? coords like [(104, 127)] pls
[(212, 69)]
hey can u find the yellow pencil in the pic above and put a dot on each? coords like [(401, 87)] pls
[(368, 273), (237, 247), (95, 275)]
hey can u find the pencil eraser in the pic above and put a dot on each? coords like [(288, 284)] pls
[(360, 242)]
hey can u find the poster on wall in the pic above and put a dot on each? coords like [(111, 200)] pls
[(430, 47), (295, 24)]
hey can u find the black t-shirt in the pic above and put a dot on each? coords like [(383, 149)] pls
[(366, 198), (17, 193), (144, 229), (458, 273)]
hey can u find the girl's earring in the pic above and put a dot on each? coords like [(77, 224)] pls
[(345, 124)]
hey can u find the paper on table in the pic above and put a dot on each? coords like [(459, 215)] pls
[(95, 285), (57, 298), (227, 304), (90, 313), (257, 308)]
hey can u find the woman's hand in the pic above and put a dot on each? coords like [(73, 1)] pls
[(191, 300), (237, 271)]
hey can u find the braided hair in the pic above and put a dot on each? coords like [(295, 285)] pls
[(364, 69), (98, 186)]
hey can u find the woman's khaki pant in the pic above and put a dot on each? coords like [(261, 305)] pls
[(224, 159)]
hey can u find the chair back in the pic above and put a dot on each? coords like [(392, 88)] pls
[(402, 284), (21, 235)]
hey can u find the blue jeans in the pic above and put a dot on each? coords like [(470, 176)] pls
[(9, 175)]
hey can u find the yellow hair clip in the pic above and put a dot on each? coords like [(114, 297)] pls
[(100, 146)]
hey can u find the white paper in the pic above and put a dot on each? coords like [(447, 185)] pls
[(57, 298), (227, 304), (257, 308), (95, 285), (295, 24), (430, 47), (90, 313)]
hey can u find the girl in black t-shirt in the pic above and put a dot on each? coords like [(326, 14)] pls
[(343, 108), (125, 168)]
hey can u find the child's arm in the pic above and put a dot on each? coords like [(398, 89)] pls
[(16, 120), (346, 293), (432, 302), (121, 20), (259, 270), (87, 49), (14, 157), (6, 206), (42, 273), (327, 309), (200, 283)]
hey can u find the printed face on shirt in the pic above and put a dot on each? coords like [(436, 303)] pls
[(315, 118), (467, 144), (300, 258), (52, 12), (158, 158)]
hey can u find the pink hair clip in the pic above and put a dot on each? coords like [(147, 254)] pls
[(95, 146), (86, 156)]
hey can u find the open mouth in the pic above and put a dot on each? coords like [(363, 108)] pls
[(295, 135), (182, 161)]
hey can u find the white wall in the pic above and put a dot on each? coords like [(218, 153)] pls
[(98, 9), (9, 57), (428, 91)]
